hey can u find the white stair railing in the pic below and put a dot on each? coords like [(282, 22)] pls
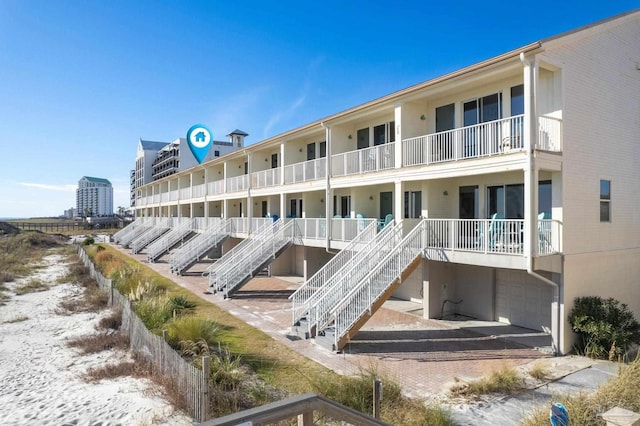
[(196, 247), (124, 232), (126, 239), (300, 298), (361, 298), (142, 240), (238, 254), (261, 250), (126, 229), (164, 243), (322, 302)]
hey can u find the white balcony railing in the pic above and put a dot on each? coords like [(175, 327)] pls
[(481, 140), (156, 198), (238, 183), (305, 171), (347, 229), (366, 160), (199, 191), (244, 225), (217, 187), (173, 195), (549, 134), (185, 193), (164, 197), (266, 178), (498, 236), (203, 223)]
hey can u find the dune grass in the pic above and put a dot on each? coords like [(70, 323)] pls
[(506, 380), (278, 366), (586, 409), (33, 285), (21, 254)]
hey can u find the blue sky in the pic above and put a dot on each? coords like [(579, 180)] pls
[(82, 81)]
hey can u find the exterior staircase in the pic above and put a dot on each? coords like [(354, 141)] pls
[(321, 280), (135, 230), (248, 258), (364, 299), (143, 240), (168, 240), (127, 229), (198, 246), (321, 303)]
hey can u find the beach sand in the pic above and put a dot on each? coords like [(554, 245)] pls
[(42, 377)]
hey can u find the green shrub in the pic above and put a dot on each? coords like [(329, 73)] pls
[(605, 327), (191, 328), (88, 241), (154, 312), (180, 304)]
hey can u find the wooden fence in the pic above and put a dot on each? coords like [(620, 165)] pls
[(191, 383)]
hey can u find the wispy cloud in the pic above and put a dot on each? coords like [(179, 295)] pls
[(290, 110), (236, 112), (49, 187)]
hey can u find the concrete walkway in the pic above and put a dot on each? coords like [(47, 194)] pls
[(424, 356)]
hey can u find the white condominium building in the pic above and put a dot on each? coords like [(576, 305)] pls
[(94, 197), (501, 192)]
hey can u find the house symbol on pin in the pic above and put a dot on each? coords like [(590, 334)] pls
[(200, 137)]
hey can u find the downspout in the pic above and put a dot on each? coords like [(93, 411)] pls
[(327, 193), (532, 215)]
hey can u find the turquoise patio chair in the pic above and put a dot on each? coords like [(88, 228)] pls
[(382, 223), (494, 233)]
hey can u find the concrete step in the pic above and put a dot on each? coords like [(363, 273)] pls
[(326, 338)]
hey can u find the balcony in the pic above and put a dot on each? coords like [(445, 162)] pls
[(374, 159), (265, 178), (238, 183), (343, 230), (199, 191), (463, 240), (215, 188), (481, 140), (305, 171)]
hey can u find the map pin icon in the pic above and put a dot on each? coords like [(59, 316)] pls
[(199, 138)]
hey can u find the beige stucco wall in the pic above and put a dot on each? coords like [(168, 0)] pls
[(601, 124)]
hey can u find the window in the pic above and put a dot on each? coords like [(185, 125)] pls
[(517, 100), (412, 204), (311, 151), (605, 200), (507, 200), (363, 138), (344, 208), (384, 133), (216, 153), (323, 149), (445, 118)]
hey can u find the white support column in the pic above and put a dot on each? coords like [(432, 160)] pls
[(530, 172), (398, 198), (249, 197), (282, 163), (328, 194), (398, 133)]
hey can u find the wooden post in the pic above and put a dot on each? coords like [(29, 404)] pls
[(204, 412), (165, 335), (377, 397), (305, 419)]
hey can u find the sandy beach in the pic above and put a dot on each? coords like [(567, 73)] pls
[(42, 377)]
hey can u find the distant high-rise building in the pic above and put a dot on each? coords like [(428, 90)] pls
[(156, 160), (94, 197)]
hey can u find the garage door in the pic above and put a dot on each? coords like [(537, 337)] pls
[(522, 300)]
